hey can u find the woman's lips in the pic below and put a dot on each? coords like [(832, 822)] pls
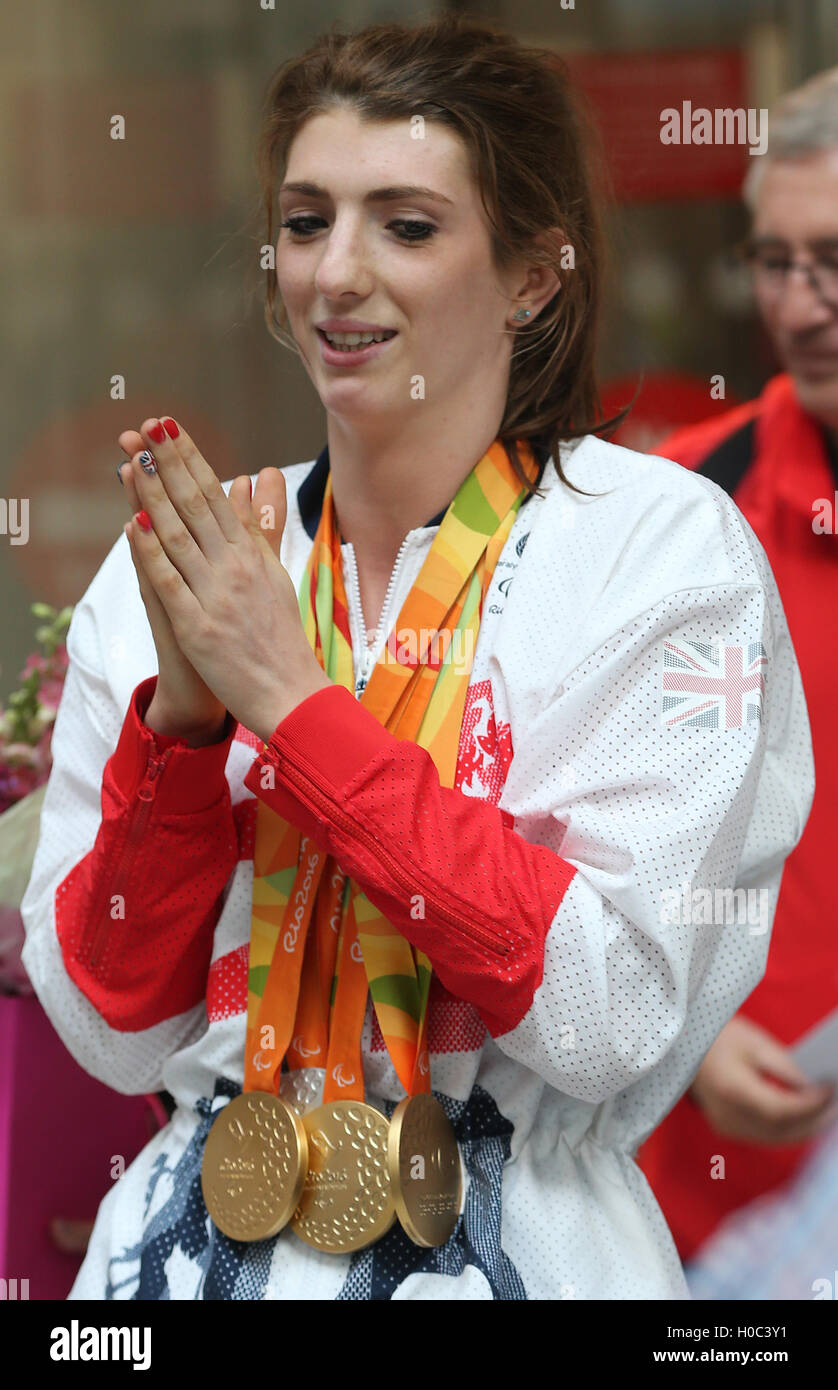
[(341, 357)]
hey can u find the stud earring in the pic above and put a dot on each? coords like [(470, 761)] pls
[(521, 314)]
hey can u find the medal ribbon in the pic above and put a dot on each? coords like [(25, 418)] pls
[(317, 944)]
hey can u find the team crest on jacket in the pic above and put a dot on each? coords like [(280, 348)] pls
[(712, 686), (485, 746)]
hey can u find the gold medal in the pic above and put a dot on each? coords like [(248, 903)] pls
[(254, 1166), (425, 1170), (347, 1199)]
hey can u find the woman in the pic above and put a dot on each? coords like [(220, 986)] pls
[(525, 614)]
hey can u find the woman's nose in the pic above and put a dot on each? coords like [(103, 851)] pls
[(343, 267)]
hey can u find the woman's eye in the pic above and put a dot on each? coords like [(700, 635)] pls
[(296, 224), (419, 231), (412, 230)]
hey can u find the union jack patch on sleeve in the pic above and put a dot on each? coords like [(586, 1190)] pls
[(711, 686)]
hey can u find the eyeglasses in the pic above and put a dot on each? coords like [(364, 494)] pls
[(771, 266)]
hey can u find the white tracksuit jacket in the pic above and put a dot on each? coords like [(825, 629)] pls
[(635, 743)]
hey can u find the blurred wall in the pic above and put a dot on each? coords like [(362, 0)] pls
[(676, 299), (135, 259)]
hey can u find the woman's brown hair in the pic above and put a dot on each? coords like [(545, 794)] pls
[(532, 150)]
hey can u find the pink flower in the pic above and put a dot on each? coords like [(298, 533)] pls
[(35, 662), (24, 766), (49, 694), (53, 671)]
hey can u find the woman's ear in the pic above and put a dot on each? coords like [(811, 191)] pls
[(536, 284)]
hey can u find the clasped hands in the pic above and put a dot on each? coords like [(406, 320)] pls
[(222, 608)]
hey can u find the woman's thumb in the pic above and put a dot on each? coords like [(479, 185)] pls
[(269, 507)]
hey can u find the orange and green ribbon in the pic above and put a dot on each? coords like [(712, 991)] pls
[(318, 945)]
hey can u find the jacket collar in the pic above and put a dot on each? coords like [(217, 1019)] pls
[(312, 490)]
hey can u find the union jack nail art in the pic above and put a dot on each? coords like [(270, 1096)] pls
[(147, 462)]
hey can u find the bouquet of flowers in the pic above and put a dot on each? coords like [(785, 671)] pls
[(25, 761)]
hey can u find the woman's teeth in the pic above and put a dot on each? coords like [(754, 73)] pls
[(347, 341)]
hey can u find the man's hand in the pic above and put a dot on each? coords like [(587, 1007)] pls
[(734, 1090)]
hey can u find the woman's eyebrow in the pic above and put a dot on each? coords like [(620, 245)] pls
[(376, 195)]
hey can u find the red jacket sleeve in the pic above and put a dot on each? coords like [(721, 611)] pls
[(446, 869), (135, 917), (691, 444)]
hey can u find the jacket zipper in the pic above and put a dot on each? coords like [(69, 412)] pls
[(466, 928), (454, 919), (145, 795), (367, 647)]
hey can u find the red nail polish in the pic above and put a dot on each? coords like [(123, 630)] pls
[(144, 520), (171, 428), (157, 433)]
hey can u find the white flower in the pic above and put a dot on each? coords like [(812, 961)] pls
[(21, 755)]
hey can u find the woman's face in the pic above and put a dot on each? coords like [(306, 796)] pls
[(411, 263)]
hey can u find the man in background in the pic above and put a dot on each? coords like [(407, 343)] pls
[(777, 456)]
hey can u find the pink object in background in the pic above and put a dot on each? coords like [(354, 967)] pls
[(13, 977), (60, 1132)]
